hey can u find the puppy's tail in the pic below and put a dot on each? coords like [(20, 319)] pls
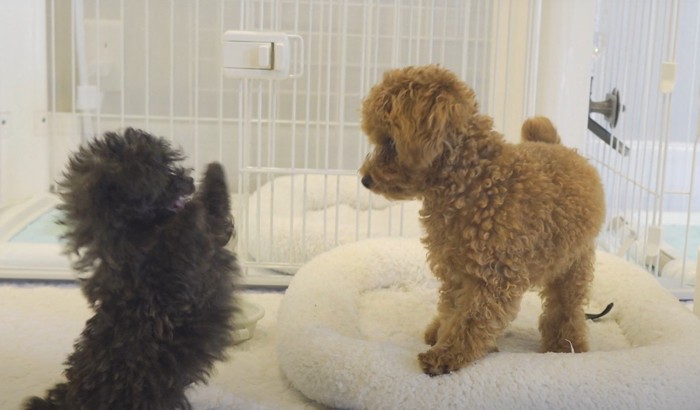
[(55, 400), (539, 129)]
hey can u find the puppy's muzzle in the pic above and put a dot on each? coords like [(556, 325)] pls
[(367, 181)]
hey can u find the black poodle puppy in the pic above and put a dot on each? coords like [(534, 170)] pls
[(155, 271)]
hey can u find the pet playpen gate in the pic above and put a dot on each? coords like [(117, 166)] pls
[(300, 143), (292, 146), (645, 83)]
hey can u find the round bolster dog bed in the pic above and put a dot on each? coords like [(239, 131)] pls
[(291, 219), (351, 325)]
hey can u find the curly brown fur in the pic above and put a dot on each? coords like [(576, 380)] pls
[(499, 218), (160, 280)]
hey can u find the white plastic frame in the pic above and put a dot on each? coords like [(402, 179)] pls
[(282, 55)]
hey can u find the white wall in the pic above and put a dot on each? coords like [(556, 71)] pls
[(685, 114), (515, 61), (24, 145), (564, 69)]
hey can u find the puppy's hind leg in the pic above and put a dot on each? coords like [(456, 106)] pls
[(563, 321)]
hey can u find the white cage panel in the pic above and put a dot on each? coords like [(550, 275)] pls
[(291, 147), (649, 52), (301, 142), (153, 64)]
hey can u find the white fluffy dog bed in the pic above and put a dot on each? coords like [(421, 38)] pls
[(351, 325), (291, 219)]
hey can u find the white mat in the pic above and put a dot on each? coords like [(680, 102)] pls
[(351, 326), (291, 219)]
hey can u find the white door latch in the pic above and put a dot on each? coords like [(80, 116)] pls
[(263, 55)]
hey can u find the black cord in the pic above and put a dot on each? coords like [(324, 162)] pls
[(593, 316)]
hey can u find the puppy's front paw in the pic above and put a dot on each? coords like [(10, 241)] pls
[(437, 361), (214, 181), (431, 332), (215, 171), (214, 192)]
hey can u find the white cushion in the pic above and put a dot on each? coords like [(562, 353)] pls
[(291, 219), (351, 325)]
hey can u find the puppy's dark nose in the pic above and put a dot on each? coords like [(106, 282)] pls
[(367, 181)]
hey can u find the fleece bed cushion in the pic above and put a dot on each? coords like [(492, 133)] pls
[(293, 218), (351, 325)]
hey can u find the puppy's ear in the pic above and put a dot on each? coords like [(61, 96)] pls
[(376, 115), (424, 127)]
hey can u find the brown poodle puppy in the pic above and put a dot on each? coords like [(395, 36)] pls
[(499, 218), (158, 276)]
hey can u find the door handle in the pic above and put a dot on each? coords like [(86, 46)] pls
[(610, 108), (607, 137)]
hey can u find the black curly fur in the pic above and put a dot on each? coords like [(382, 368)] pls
[(161, 282)]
